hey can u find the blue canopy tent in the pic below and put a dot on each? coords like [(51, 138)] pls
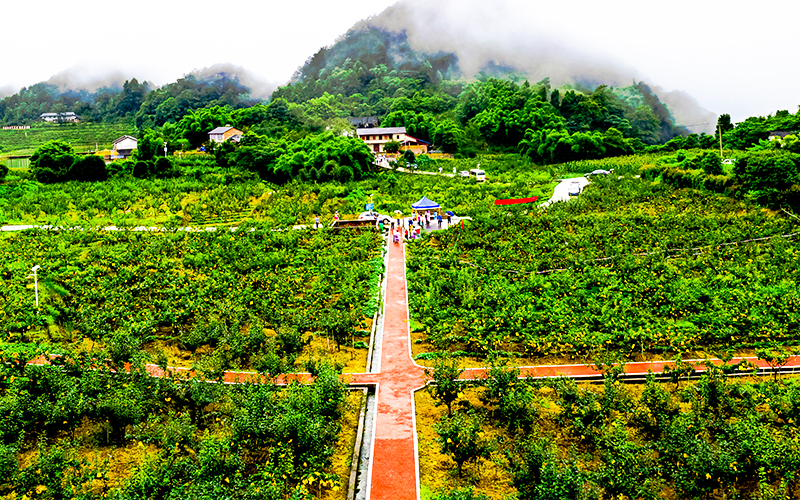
[(425, 205)]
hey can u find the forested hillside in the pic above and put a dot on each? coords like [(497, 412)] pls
[(150, 106)]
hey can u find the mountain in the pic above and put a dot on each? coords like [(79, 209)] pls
[(447, 40), (115, 96)]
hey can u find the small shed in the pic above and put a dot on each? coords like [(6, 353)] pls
[(426, 205)]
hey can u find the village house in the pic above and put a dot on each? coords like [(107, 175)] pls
[(222, 134), (69, 116), (376, 139), (779, 135), (364, 121)]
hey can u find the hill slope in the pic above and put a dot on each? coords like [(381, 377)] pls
[(446, 40)]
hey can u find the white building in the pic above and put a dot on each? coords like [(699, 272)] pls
[(69, 116), (123, 147)]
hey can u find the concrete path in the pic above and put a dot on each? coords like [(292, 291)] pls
[(561, 191), (385, 164)]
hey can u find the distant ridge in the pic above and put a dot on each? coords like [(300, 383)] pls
[(442, 42)]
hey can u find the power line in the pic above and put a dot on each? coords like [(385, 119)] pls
[(697, 250)]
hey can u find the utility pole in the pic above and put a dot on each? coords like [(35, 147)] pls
[(36, 286), (719, 129)]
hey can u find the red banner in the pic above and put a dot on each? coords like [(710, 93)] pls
[(516, 201)]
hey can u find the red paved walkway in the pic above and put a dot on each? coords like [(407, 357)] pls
[(639, 368), (394, 454)]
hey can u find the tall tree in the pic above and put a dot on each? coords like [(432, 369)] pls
[(148, 144), (52, 161), (724, 124), (131, 97)]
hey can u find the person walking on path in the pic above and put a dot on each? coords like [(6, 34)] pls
[(316, 222), (336, 216), (439, 218)]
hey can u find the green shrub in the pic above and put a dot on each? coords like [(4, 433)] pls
[(445, 387), (460, 494), (538, 474), (461, 437), (711, 163)]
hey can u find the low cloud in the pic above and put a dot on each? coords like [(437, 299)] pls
[(567, 43), (7, 90), (480, 36), (83, 78), (687, 111), (259, 88)]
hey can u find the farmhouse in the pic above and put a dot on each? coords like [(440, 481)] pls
[(123, 147), (69, 116), (376, 139), (222, 134), (779, 135)]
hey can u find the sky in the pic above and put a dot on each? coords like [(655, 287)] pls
[(731, 57)]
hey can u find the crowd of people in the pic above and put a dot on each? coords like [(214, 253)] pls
[(411, 227), (408, 228)]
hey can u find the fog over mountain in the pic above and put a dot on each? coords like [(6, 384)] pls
[(81, 79), (259, 89), (495, 35), (729, 57), (530, 40)]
